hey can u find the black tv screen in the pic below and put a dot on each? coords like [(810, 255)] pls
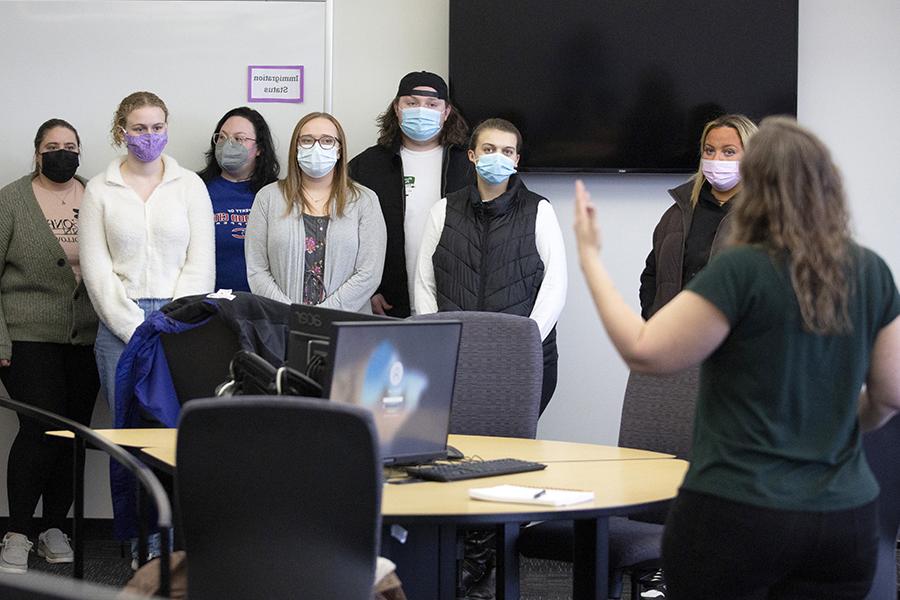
[(620, 85)]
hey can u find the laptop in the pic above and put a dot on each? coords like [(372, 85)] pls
[(404, 373)]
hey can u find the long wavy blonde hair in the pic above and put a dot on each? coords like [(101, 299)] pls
[(745, 129), (343, 189), (793, 204)]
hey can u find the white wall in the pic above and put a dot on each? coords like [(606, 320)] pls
[(849, 88)]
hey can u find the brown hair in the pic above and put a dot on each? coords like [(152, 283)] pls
[(129, 103), (42, 131), (343, 189), (745, 129), (455, 131), (793, 205), (499, 125)]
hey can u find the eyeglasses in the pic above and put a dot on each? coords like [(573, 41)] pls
[(221, 138), (326, 142)]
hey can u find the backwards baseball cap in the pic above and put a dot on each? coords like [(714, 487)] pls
[(416, 79)]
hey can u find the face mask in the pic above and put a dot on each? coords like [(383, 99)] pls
[(420, 123), (148, 146), (231, 156), (315, 162), (723, 175), (495, 168), (59, 166)]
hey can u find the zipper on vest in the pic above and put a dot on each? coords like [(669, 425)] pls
[(482, 271)]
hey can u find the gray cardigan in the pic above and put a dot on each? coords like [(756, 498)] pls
[(40, 300), (354, 251)]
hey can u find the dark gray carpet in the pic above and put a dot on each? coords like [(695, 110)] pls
[(106, 562)]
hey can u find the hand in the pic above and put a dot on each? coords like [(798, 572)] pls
[(4, 362), (380, 306), (586, 231)]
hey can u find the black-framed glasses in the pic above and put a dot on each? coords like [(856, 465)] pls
[(221, 138), (326, 142)]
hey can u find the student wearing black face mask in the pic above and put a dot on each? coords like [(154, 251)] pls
[(47, 330), (240, 160)]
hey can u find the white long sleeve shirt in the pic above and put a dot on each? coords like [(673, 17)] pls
[(131, 249), (551, 296)]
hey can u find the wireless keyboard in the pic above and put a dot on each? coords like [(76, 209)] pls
[(473, 469)]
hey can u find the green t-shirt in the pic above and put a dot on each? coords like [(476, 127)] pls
[(776, 422)]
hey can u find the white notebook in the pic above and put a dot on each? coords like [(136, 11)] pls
[(521, 494)]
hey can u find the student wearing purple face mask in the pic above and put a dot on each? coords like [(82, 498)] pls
[(695, 228), (146, 232)]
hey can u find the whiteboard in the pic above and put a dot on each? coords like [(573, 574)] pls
[(77, 60)]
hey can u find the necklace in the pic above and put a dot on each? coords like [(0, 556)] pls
[(64, 196)]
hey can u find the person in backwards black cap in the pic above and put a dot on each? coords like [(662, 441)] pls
[(420, 157)]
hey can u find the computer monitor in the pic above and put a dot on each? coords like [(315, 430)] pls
[(310, 337), (404, 372)]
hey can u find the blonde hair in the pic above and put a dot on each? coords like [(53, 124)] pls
[(793, 205), (745, 129), (129, 103), (343, 189)]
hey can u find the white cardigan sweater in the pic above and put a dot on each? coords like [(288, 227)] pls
[(131, 249)]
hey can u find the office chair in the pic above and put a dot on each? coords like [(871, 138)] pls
[(280, 498), (883, 453), (498, 374), (658, 415), (42, 586)]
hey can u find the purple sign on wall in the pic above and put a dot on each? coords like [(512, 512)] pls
[(275, 83)]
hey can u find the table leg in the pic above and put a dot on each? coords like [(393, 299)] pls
[(590, 568), (507, 561), (78, 448)]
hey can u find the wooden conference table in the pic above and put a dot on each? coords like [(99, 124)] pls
[(429, 513)]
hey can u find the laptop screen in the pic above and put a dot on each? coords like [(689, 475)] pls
[(404, 373)]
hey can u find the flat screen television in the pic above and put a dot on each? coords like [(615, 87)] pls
[(620, 85)]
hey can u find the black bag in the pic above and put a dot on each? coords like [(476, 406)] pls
[(253, 375)]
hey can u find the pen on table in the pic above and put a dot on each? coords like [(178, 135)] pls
[(539, 494)]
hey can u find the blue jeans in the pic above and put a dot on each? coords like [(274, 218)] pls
[(108, 348)]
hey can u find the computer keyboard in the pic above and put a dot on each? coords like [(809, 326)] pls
[(473, 469)]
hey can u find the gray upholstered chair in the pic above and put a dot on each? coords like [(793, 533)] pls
[(43, 586), (263, 514), (498, 374), (658, 415), (883, 452)]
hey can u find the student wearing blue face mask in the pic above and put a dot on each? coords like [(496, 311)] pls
[(420, 157), (316, 237), (493, 219)]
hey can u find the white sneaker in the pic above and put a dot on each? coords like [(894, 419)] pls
[(14, 555), (53, 545)]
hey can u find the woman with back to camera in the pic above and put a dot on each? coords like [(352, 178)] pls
[(240, 161), (47, 330), (695, 228), (316, 237), (788, 324)]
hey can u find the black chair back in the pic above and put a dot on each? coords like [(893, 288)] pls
[(498, 374), (279, 497), (883, 453)]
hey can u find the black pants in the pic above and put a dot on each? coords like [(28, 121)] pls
[(61, 378), (551, 370), (716, 548)]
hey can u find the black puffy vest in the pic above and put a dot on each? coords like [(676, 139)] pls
[(487, 258)]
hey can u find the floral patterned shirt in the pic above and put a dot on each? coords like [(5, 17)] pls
[(313, 282)]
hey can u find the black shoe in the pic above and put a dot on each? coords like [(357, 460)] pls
[(476, 568), (653, 586)]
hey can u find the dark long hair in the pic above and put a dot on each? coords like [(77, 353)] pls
[(267, 168), (42, 131), (455, 131), (793, 204)]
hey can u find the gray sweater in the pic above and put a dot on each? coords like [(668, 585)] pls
[(354, 251), (40, 300)]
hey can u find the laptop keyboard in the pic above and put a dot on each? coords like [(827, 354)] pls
[(473, 469)]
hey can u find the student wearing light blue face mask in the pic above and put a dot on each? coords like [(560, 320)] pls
[(498, 218), (420, 157)]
